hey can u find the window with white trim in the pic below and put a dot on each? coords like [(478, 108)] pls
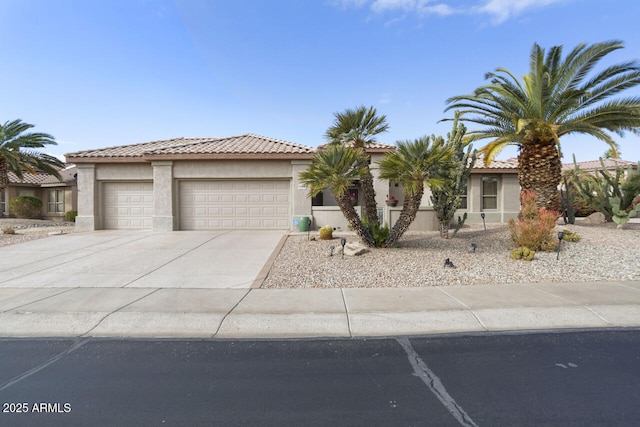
[(463, 199), (56, 201), (489, 193)]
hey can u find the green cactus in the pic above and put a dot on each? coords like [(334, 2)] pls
[(603, 188), (447, 197), (566, 202), (460, 224), (622, 216)]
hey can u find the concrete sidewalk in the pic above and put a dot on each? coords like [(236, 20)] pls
[(274, 313)]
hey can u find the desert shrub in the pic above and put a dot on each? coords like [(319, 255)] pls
[(326, 232), (378, 233), (26, 207), (8, 230), (71, 216), (534, 226), (522, 253), (571, 236)]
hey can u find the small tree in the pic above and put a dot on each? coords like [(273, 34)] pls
[(414, 163), (446, 198), (337, 168)]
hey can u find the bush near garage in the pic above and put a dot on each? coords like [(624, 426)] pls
[(28, 207)]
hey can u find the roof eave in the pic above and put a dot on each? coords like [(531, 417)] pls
[(229, 156)]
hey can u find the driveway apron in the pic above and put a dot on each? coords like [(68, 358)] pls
[(139, 259)]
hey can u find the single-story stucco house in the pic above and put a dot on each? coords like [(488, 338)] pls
[(245, 182), (58, 196), (239, 182)]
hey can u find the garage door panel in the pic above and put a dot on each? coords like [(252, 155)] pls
[(254, 204), (127, 205)]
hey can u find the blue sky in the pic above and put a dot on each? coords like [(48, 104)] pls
[(102, 73)]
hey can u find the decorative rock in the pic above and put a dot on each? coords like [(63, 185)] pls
[(352, 249), (595, 219)]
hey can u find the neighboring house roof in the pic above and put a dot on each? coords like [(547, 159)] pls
[(43, 179), (496, 166), (591, 165), (248, 146), (370, 147)]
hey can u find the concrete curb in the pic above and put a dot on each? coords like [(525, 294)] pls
[(315, 313)]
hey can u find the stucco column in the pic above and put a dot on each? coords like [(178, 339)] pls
[(162, 196), (87, 197), (381, 187), (300, 202)]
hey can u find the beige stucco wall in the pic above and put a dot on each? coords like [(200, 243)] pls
[(166, 176), (232, 169)]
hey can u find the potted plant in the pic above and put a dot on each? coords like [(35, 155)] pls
[(392, 201)]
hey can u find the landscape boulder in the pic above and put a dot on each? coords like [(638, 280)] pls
[(352, 249), (595, 219)]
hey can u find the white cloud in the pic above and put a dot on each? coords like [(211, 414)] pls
[(499, 10)]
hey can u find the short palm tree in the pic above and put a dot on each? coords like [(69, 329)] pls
[(337, 167), (558, 96), (358, 128), (18, 152), (412, 164)]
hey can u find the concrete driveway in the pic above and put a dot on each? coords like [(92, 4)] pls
[(140, 259)]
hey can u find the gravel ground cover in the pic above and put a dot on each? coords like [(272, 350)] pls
[(31, 229), (603, 253)]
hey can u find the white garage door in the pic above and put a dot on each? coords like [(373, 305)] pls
[(206, 205), (127, 205)]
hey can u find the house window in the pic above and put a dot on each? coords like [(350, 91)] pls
[(463, 199), (56, 201), (489, 192), (3, 206)]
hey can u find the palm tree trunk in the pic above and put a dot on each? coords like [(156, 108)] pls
[(540, 169), (369, 197), (407, 216), (354, 220), (4, 174)]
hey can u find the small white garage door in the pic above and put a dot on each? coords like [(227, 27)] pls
[(206, 205), (127, 205)]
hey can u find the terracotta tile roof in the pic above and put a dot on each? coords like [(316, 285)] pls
[(41, 178), (243, 144), (236, 146), (132, 150), (609, 164), (509, 164), (68, 176), (370, 147), (28, 178)]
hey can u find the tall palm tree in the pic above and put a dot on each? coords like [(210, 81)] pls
[(18, 152), (337, 168), (358, 128), (412, 164), (558, 96)]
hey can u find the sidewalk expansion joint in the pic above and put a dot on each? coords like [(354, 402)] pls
[(592, 311), (229, 312), (175, 259), (346, 311), (86, 334), (65, 290), (85, 255), (473, 313)]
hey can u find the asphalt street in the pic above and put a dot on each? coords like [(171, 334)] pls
[(579, 378)]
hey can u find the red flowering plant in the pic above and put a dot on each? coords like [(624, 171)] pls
[(533, 228)]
